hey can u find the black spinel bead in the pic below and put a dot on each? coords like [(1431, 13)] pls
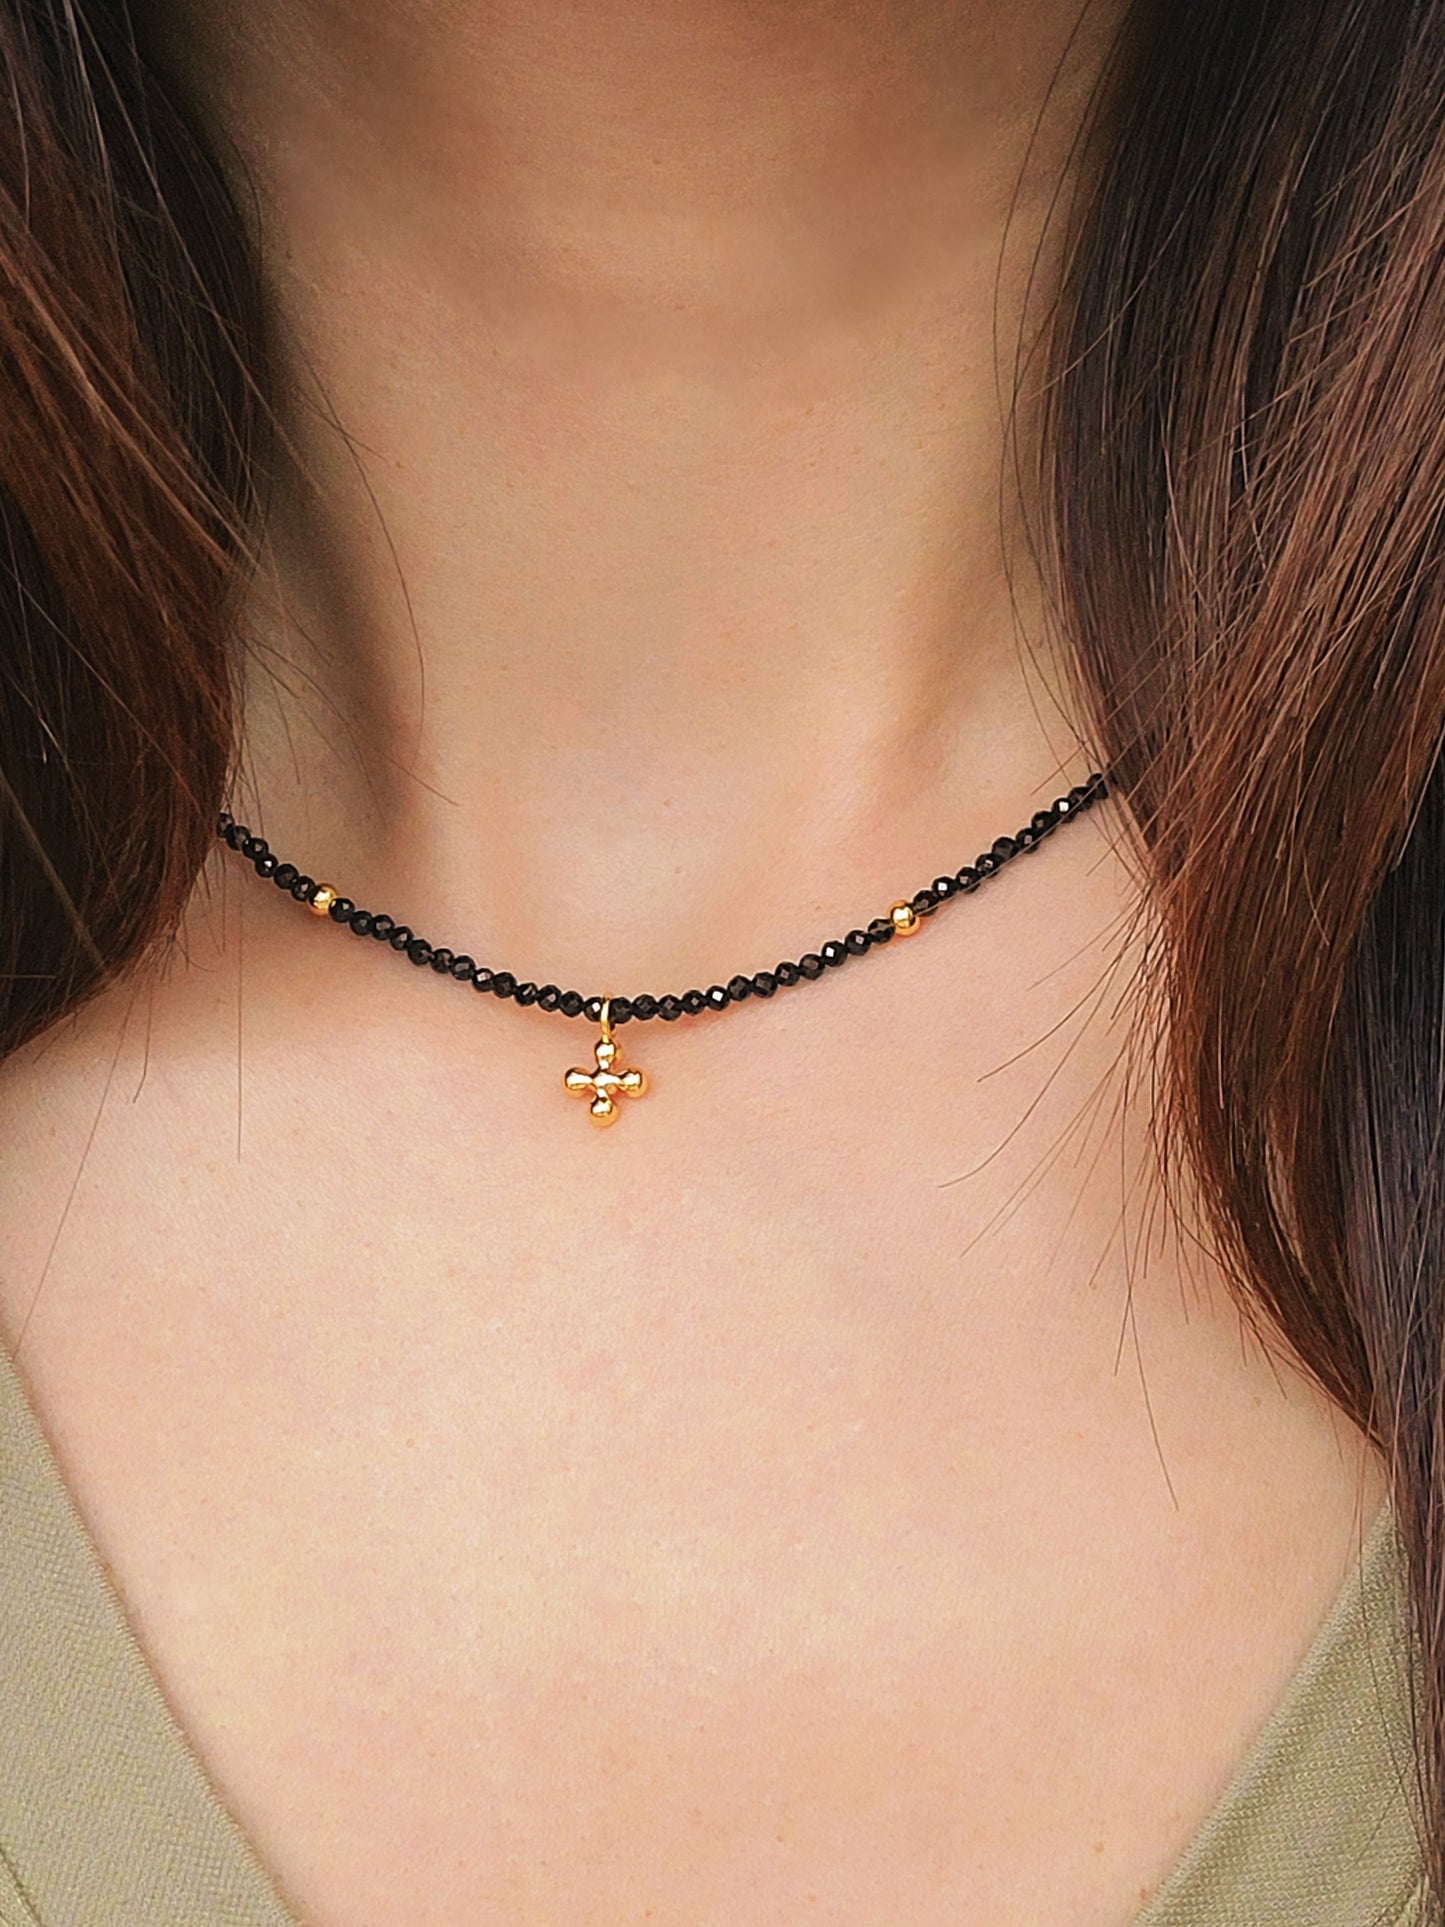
[(266, 866), (669, 1009), (834, 952), (285, 875), (1026, 839), (739, 987), (236, 835), (718, 997), (503, 983), (361, 922), (462, 968), (343, 910), (525, 993), (881, 929), (694, 1002), (419, 950), (1079, 795), (620, 1011), (968, 879), (857, 941), (786, 973), (810, 966), (442, 960), (925, 903), (1042, 821), (382, 926), (398, 936), (644, 1007), (1063, 805), (571, 1004), (253, 847), (986, 864), (1004, 847), (764, 983), (301, 889), (548, 997), (593, 1010), (482, 978), (944, 887)]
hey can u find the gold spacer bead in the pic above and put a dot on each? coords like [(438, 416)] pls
[(322, 899), (904, 918)]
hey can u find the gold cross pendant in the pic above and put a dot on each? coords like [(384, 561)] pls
[(603, 1084)]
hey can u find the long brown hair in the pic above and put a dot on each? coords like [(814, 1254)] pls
[(1243, 490)]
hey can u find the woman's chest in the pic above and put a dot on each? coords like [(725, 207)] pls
[(769, 1539)]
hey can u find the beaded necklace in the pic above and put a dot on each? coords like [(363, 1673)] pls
[(608, 1080)]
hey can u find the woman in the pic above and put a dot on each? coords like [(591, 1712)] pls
[(610, 495)]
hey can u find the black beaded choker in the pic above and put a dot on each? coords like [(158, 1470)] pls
[(607, 1080)]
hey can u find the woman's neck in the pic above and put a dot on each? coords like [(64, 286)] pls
[(644, 368)]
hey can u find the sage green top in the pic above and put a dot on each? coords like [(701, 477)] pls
[(107, 1818)]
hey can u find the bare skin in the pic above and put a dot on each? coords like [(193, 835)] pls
[(833, 1493)]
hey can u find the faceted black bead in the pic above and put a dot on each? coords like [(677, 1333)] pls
[(235, 834), (764, 983), (857, 941), (343, 910), (285, 875), (503, 983), (592, 1010), (525, 993), (254, 846), (548, 997), (619, 1010), (1063, 805), (786, 973), (924, 902), (669, 1008), (944, 887), (482, 978), (880, 929), (361, 922), (738, 988), (644, 1007), (442, 960), (986, 864), (1042, 821), (462, 968), (834, 952), (399, 936), (694, 1001), (810, 966), (571, 1004), (266, 866), (1079, 795), (1004, 847), (301, 889), (382, 926), (718, 997), (419, 950), (224, 820), (968, 879)]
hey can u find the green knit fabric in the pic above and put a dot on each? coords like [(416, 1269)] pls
[(108, 1820)]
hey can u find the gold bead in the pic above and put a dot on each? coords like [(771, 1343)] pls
[(904, 918), (322, 899)]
